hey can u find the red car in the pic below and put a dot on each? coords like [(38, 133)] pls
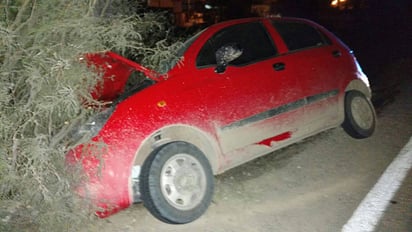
[(236, 91)]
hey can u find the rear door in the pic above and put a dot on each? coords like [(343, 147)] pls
[(256, 100), (311, 52)]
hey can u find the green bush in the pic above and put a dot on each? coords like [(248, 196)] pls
[(43, 86)]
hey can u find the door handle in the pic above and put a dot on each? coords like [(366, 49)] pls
[(336, 53), (279, 66)]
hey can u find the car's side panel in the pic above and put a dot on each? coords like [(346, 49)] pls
[(249, 105), (320, 88)]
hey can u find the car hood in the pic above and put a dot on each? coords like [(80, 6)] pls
[(115, 70)]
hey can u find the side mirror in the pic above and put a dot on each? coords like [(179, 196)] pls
[(225, 55)]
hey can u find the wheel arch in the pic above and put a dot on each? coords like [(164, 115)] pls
[(354, 85), (180, 132), (359, 85)]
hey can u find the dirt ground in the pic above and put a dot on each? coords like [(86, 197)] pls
[(311, 186)]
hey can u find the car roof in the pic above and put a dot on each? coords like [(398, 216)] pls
[(252, 19)]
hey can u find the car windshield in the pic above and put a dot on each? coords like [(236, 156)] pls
[(178, 54)]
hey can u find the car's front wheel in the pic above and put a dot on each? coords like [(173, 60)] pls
[(360, 117), (176, 183)]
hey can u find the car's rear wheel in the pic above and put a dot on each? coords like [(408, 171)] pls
[(360, 117), (176, 183)]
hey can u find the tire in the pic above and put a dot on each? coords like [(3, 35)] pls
[(177, 183), (360, 116)]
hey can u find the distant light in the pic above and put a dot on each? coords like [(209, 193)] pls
[(208, 7), (335, 3)]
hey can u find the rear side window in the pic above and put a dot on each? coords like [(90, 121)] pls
[(299, 35), (252, 38)]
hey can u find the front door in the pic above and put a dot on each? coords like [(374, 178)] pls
[(256, 99)]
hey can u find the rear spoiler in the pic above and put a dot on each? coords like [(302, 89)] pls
[(116, 70)]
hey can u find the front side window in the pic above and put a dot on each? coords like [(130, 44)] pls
[(252, 38), (299, 35)]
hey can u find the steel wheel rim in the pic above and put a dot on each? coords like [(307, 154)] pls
[(361, 113), (183, 181)]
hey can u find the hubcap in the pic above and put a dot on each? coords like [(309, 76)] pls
[(361, 113), (183, 181)]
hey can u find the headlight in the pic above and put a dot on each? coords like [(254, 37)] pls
[(87, 130)]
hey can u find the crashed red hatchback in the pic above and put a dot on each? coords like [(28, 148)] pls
[(238, 90)]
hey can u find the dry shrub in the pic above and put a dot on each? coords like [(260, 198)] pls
[(42, 89)]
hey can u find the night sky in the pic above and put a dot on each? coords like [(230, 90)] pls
[(379, 31)]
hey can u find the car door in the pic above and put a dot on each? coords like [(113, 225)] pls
[(316, 56), (255, 101)]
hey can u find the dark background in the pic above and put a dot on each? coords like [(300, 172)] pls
[(379, 31)]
